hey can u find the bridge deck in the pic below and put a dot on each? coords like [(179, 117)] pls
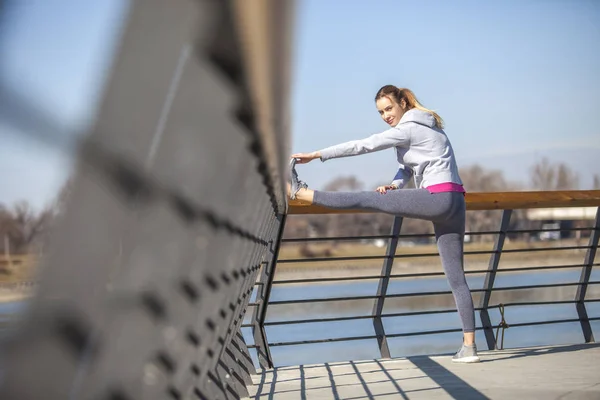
[(565, 372)]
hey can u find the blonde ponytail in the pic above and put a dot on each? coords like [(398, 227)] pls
[(411, 101)]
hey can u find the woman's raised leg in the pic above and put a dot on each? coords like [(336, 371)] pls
[(410, 203)]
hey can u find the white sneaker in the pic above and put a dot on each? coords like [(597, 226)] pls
[(466, 354)]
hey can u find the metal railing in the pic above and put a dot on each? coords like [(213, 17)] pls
[(475, 201)]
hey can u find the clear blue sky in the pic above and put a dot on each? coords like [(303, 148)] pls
[(512, 79)]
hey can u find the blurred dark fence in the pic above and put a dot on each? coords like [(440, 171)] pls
[(177, 203)]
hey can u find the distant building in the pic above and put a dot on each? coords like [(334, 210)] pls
[(563, 219)]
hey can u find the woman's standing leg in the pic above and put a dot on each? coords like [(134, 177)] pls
[(450, 241)]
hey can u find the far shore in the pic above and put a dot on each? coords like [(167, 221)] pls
[(322, 270), (15, 295), (408, 260)]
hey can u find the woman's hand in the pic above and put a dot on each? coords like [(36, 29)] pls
[(384, 189), (303, 158)]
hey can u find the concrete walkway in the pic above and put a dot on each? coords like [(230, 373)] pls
[(559, 372)]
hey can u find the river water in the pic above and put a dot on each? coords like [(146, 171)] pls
[(562, 333)]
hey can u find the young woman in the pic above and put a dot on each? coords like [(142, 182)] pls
[(425, 154)]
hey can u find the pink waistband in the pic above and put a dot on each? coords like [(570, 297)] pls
[(446, 187)]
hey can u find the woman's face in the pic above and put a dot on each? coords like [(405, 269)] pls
[(390, 111)]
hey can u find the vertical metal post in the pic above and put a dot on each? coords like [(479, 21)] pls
[(588, 264), (265, 284), (382, 289), (490, 277)]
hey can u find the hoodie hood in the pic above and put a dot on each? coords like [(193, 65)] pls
[(418, 116)]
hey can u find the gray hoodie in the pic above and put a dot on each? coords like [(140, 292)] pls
[(423, 151)]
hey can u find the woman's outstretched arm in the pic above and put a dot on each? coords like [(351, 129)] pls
[(398, 136)]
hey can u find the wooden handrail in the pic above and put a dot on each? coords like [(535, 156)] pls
[(490, 201)]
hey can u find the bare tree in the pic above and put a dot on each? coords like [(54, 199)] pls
[(542, 175), (348, 183), (28, 225), (477, 179), (22, 226), (566, 179), (7, 228), (548, 176), (596, 184)]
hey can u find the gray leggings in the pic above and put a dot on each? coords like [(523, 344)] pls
[(446, 211)]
